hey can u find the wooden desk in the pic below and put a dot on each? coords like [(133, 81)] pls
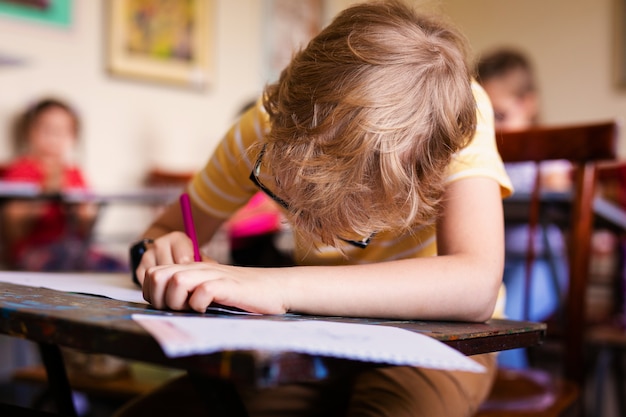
[(102, 325), (145, 196), (140, 197)]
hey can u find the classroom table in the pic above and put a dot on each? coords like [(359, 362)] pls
[(101, 325), (137, 197), (10, 190)]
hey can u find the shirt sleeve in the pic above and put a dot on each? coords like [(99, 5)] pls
[(223, 185), (481, 158)]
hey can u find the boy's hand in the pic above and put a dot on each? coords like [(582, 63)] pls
[(196, 285), (172, 248)]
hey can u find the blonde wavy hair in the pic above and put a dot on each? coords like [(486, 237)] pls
[(365, 120)]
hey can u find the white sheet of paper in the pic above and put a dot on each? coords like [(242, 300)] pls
[(118, 286), (183, 336)]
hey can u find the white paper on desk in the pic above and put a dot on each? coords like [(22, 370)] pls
[(118, 286), (183, 336)]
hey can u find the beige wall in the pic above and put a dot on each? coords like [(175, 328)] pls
[(572, 44), (131, 126), (570, 41)]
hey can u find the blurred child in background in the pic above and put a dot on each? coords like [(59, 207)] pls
[(47, 235), (508, 78)]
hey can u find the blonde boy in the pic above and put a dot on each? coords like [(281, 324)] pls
[(381, 150)]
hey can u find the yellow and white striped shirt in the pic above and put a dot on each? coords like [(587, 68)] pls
[(223, 186)]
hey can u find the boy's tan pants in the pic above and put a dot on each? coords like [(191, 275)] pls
[(384, 392)]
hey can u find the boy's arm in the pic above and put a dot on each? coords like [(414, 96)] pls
[(460, 284)]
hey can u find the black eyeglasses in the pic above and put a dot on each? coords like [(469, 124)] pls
[(254, 177)]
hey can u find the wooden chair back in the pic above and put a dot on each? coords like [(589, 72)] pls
[(584, 146), (162, 178)]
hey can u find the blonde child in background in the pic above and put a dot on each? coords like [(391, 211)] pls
[(46, 235), (380, 149), (507, 76)]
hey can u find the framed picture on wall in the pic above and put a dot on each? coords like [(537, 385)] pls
[(161, 41)]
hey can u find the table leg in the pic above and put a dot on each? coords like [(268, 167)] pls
[(58, 383), (220, 396)]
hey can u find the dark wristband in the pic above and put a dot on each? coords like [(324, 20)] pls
[(136, 253)]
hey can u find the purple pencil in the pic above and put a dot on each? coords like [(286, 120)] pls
[(190, 230)]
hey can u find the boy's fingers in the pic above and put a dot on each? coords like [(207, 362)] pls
[(154, 285), (148, 259), (163, 253), (182, 254), (177, 292)]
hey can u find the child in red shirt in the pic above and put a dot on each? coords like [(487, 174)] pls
[(45, 234)]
